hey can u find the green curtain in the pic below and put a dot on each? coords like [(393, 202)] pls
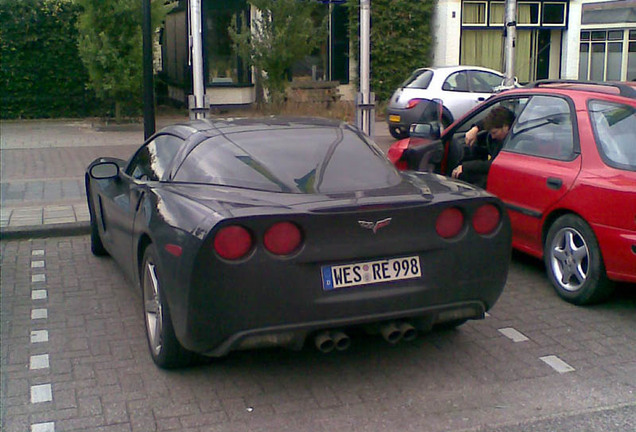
[(485, 48)]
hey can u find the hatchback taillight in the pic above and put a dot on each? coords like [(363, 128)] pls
[(449, 223), (412, 103), (282, 238), (233, 242), (486, 219)]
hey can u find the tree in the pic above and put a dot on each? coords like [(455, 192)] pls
[(401, 40), (283, 32), (110, 45)]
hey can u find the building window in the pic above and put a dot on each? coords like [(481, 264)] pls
[(223, 65), (497, 13), (528, 13), (474, 13), (631, 57), (607, 55), (553, 14)]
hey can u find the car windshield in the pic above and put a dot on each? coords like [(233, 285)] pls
[(294, 160), (420, 79), (615, 132)]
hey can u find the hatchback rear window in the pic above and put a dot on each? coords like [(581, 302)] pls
[(420, 79), (293, 160), (615, 132)]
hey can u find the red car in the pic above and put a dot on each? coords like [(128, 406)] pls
[(566, 173)]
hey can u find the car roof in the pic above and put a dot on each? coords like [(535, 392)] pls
[(215, 126), (625, 89), (451, 69)]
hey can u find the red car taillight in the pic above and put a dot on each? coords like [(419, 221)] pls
[(486, 219), (282, 238), (233, 242), (449, 223), (412, 103)]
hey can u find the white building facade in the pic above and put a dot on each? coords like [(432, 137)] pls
[(569, 39)]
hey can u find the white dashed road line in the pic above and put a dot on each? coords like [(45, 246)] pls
[(513, 335), (42, 392), (557, 364)]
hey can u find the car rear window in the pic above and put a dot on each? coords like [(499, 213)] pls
[(420, 79), (615, 132), (294, 160)]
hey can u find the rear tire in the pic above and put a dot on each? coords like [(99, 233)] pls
[(165, 349), (398, 133), (574, 263)]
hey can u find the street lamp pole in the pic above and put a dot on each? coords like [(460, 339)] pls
[(148, 82), (510, 32), (365, 103), (196, 101)]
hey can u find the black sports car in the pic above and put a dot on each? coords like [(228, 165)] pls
[(255, 232)]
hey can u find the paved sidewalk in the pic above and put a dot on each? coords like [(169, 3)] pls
[(42, 170)]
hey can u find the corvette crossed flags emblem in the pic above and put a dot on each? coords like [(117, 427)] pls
[(375, 226)]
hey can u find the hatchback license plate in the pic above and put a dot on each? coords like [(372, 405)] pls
[(394, 118), (370, 272)]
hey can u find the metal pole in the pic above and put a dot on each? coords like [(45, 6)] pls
[(197, 101), (148, 82), (365, 105), (510, 33)]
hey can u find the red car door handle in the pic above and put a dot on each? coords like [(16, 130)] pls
[(554, 183)]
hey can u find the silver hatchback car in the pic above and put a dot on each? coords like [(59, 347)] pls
[(460, 88)]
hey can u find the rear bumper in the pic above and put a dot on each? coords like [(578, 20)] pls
[(281, 304), (294, 335), (406, 116)]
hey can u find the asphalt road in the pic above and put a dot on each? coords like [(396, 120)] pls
[(74, 358)]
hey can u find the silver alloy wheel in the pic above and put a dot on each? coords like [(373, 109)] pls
[(152, 308), (569, 259)]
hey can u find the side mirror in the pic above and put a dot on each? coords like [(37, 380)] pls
[(104, 170), (429, 131)]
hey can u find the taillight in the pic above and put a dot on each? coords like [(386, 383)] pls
[(282, 238), (232, 242), (449, 223), (412, 103), (486, 219)]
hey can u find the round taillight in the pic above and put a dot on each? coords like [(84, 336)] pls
[(282, 238), (232, 242), (449, 223), (486, 219)]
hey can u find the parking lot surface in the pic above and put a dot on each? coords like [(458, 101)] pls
[(74, 358)]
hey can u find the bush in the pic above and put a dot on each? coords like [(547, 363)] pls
[(401, 40), (41, 74)]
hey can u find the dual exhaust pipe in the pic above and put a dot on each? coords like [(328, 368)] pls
[(327, 341), (392, 332)]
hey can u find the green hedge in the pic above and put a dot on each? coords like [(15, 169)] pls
[(401, 40), (41, 74)]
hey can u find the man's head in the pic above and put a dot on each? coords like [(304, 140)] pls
[(498, 122)]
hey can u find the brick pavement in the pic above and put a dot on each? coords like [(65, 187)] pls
[(74, 358)]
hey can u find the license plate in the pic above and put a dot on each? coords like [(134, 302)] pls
[(370, 272), (394, 118)]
